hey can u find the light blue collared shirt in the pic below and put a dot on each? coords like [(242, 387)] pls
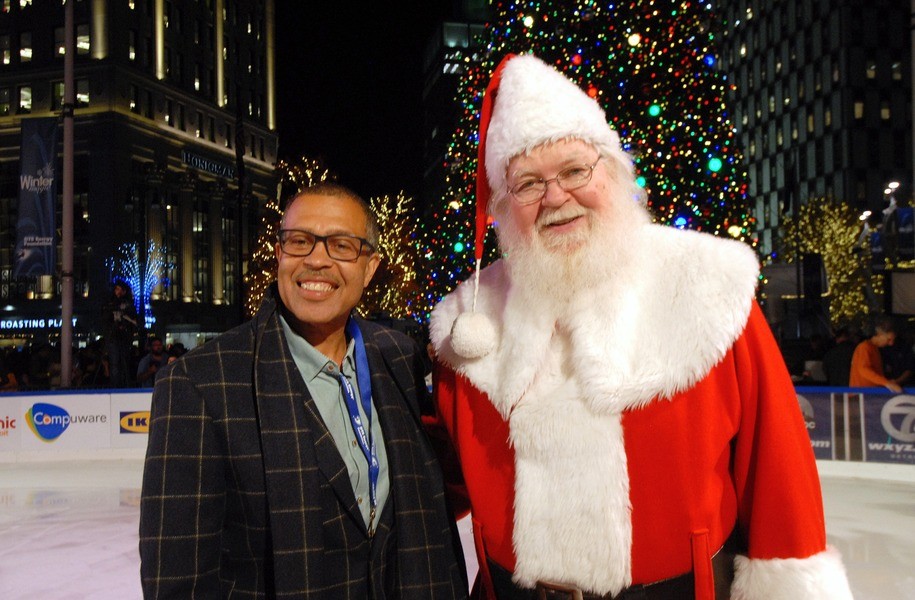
[(320, 374)]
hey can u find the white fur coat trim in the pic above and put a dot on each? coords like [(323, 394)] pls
[(819, 577), (655, 329), (562, 384)]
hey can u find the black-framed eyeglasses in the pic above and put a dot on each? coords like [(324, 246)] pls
[(533, 189), (301, 243)]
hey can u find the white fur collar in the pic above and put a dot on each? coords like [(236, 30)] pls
[(655, 330)]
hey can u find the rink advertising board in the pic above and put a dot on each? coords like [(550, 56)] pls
[(818, 417), (10, 426), (69, 421), (129, 420), (889, 429), (882, 428)]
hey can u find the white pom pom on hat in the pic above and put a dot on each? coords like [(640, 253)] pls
[(536, 105)]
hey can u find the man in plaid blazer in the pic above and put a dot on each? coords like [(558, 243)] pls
[(245, 491)]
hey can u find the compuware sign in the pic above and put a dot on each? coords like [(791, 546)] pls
[(65, 421)]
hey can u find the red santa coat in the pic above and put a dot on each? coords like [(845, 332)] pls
[(622, 443)]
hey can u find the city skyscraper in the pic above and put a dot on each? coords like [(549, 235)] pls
[(821, 94), (175, 142)]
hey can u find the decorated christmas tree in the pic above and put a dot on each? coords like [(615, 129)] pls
[(653, 68)]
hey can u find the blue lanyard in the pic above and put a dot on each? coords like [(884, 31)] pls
[(365, 438)]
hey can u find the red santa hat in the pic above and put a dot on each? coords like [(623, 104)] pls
[(527, 103)]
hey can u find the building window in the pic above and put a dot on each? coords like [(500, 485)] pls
[(212, 130), (134, 99), (4, 102), (870, 70), (82, 39), (25, 3), (896, 70), (228, 136), (809, 123), (132, 45), (59, 46), (181, 123), (5, 6), (168, 113), (885, 110), (25, 99), (197, 77), (827, 117), (57, 95), (147, 51), (6, 54), (150, 108), (179, 68), (25, 47), (199, 124), (859, 109), (82, 92), (131, 4)]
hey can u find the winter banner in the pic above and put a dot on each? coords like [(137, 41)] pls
[(889, 429), (37, 195)]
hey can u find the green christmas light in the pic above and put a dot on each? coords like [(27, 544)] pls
[(714, 165)]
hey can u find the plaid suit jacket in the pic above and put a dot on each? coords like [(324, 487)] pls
[(245, 494)]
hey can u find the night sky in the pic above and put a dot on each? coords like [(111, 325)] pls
[(349, 89)]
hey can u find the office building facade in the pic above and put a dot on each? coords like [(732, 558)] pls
[(822, 102), (174, 145)]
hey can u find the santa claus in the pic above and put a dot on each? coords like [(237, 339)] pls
[(621, 413)]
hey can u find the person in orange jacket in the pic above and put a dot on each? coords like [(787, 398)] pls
[(621, 414), (866, 362)]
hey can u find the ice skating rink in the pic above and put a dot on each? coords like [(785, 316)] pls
[(69, 529)]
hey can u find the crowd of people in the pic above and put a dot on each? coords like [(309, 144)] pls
[(37, 366)]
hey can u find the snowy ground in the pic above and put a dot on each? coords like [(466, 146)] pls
[(69, 530)]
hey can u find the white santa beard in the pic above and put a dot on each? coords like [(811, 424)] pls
[(572, 520), (554, 269)]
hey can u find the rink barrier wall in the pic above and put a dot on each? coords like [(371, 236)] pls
[(852, 427)]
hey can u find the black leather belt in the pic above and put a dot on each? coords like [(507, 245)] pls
[(680, 587)]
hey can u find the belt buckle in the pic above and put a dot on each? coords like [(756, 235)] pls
[(557, 591)]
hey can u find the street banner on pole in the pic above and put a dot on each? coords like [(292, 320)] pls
[(37, 195)]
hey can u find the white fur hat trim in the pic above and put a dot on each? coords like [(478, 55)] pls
[(536, 104)]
